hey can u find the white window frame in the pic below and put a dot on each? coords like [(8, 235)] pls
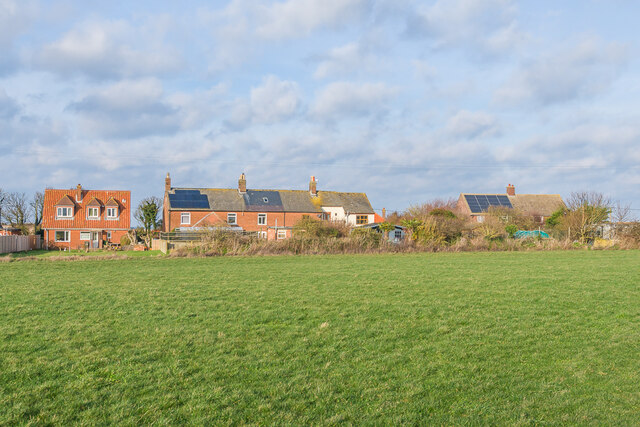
[(281, 234), (235, 219), (87, 233), (184, 215), (67, 235), (90, 209), (114, 209), (61, 209), (263, 217), (108, 236), (397, 234)]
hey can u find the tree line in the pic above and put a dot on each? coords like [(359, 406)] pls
[(22, 211)]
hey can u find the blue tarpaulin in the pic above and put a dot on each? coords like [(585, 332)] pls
[(523, 234)]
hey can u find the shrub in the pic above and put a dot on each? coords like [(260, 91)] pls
[(445, 213), (125, 241), (319, 229), (511, 229), (366, 237)]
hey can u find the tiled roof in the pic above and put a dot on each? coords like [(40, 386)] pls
[(531, 204), (79, 220), (66, 200), (231, 200), (537, 204)]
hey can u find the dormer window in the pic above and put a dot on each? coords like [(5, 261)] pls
[(93, 213), (64, 212), (112, 213)]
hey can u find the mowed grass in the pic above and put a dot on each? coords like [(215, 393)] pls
[(471, 338)]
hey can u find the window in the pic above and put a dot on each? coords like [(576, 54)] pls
[(262, 234), (305, 216), (108, 235), (231, 219), (64, 212), (266, 200), (262, 219), (112, 213), (397, 235), (62, 236), (93, 213), (85, 235), (185, 218), (282, 234), (362, 219)]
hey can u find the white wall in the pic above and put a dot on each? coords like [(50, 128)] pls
[(338, 214)]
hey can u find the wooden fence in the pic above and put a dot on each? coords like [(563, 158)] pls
[(19, 243)]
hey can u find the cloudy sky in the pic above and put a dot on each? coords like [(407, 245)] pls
[(405, 100)]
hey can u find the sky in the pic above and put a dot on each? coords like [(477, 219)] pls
[(405, 100)]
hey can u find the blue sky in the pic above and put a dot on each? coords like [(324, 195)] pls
[(404, 100)]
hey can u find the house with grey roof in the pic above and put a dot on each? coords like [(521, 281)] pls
[(539, 206), (269, 213)]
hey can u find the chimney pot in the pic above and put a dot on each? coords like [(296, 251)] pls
[(511, 190), (167, 183), (242, 184), (313, 186)]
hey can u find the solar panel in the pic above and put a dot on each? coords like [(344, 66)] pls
[(482, 202), (189, 199)]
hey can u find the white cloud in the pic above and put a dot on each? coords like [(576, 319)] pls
[(275, 100), (8, 106), (343, 99), (572, 72), (346, 59), (127, 109), (15, 17), (107, 49), (487, 27), (472, 124), (296, 18)]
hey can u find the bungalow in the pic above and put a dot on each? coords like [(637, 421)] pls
[(270, 213), (539, 206), (80, 218)]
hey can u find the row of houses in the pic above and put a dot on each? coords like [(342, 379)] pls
[(79, 217)]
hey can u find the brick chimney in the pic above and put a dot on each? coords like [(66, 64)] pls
[(78, 193), (242, 184), (511, 190), (167, 183), (384, 213), (313, 186)]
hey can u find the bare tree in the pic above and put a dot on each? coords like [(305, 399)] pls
[(147, 215), (16, 210), (3, 199), (37, 204), (587, 211), (620, 212)]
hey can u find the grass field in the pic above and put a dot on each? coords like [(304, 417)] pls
[(41, 253), (471, 338)]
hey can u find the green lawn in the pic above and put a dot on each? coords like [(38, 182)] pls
[(472, 338), (42, 253)]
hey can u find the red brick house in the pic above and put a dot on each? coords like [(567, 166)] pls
[(539, 206), (270, 213), (80, 218)]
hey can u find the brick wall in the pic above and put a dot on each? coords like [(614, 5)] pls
[(74, 239), (247, 220)]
